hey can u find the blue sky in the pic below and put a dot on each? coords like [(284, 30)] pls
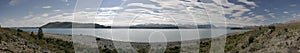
[(32, 13)]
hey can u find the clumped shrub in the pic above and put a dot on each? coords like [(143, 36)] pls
[(173, 50), (251, 39), (40, 33), (286, 30), (19, 30), (142, 50), (31, 34), (272, 28), (57, 45), (107, 50), (98, 39), (3, 37)]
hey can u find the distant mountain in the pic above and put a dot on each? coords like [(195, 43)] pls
[(154, 25), (144, 26), (244, 27), (151, 25), (69, 25), (207, 26)]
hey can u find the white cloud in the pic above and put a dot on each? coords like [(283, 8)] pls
[(28, 16), (260, 17), (46, 7), (173, 4), (68, 4), (142, 10), (65, 0), (88, 8), (293, 5), (144, 5), (13, 2), (107, 13), (183, 12), (111, 8), (57, 10), (285, 12), (248, 2), (215, 10), (39, 20), (45, 15), (272, 15), (266, 10), (33, 22)]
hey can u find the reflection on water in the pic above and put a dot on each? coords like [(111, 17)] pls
[(137, 35)]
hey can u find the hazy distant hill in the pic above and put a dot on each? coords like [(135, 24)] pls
[(69, 25), (151, 25), (144, 26), (155, 26), (206, 26)]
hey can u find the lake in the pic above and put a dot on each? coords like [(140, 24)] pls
[(141, 35)]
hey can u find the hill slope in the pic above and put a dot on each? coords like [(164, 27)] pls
[(17, 41), (71, 24), (279, 38), (283, 38)]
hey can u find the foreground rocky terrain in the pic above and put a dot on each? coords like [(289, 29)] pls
[(11, 43), (277, 38), (280, 38), (17, 41)]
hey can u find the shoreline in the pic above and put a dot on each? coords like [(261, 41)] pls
[(68, 37), (90, 43), (108, 43)]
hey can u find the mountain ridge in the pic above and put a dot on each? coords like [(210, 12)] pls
[(94, 25), (72, 25)]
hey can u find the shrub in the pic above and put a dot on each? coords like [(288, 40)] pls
[(142, 50), (40, 33), (31, 34), (19, 30)]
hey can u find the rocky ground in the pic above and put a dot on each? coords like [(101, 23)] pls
[(17, 41), (282, 38), (279, 38), (11, 43)]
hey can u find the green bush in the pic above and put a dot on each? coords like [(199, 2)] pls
[(173, 50), (40, 33), (142, 50)]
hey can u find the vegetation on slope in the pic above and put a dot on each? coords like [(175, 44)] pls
[(13, 41), (283, 38)]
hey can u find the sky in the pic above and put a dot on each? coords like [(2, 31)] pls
[(34, 13)]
